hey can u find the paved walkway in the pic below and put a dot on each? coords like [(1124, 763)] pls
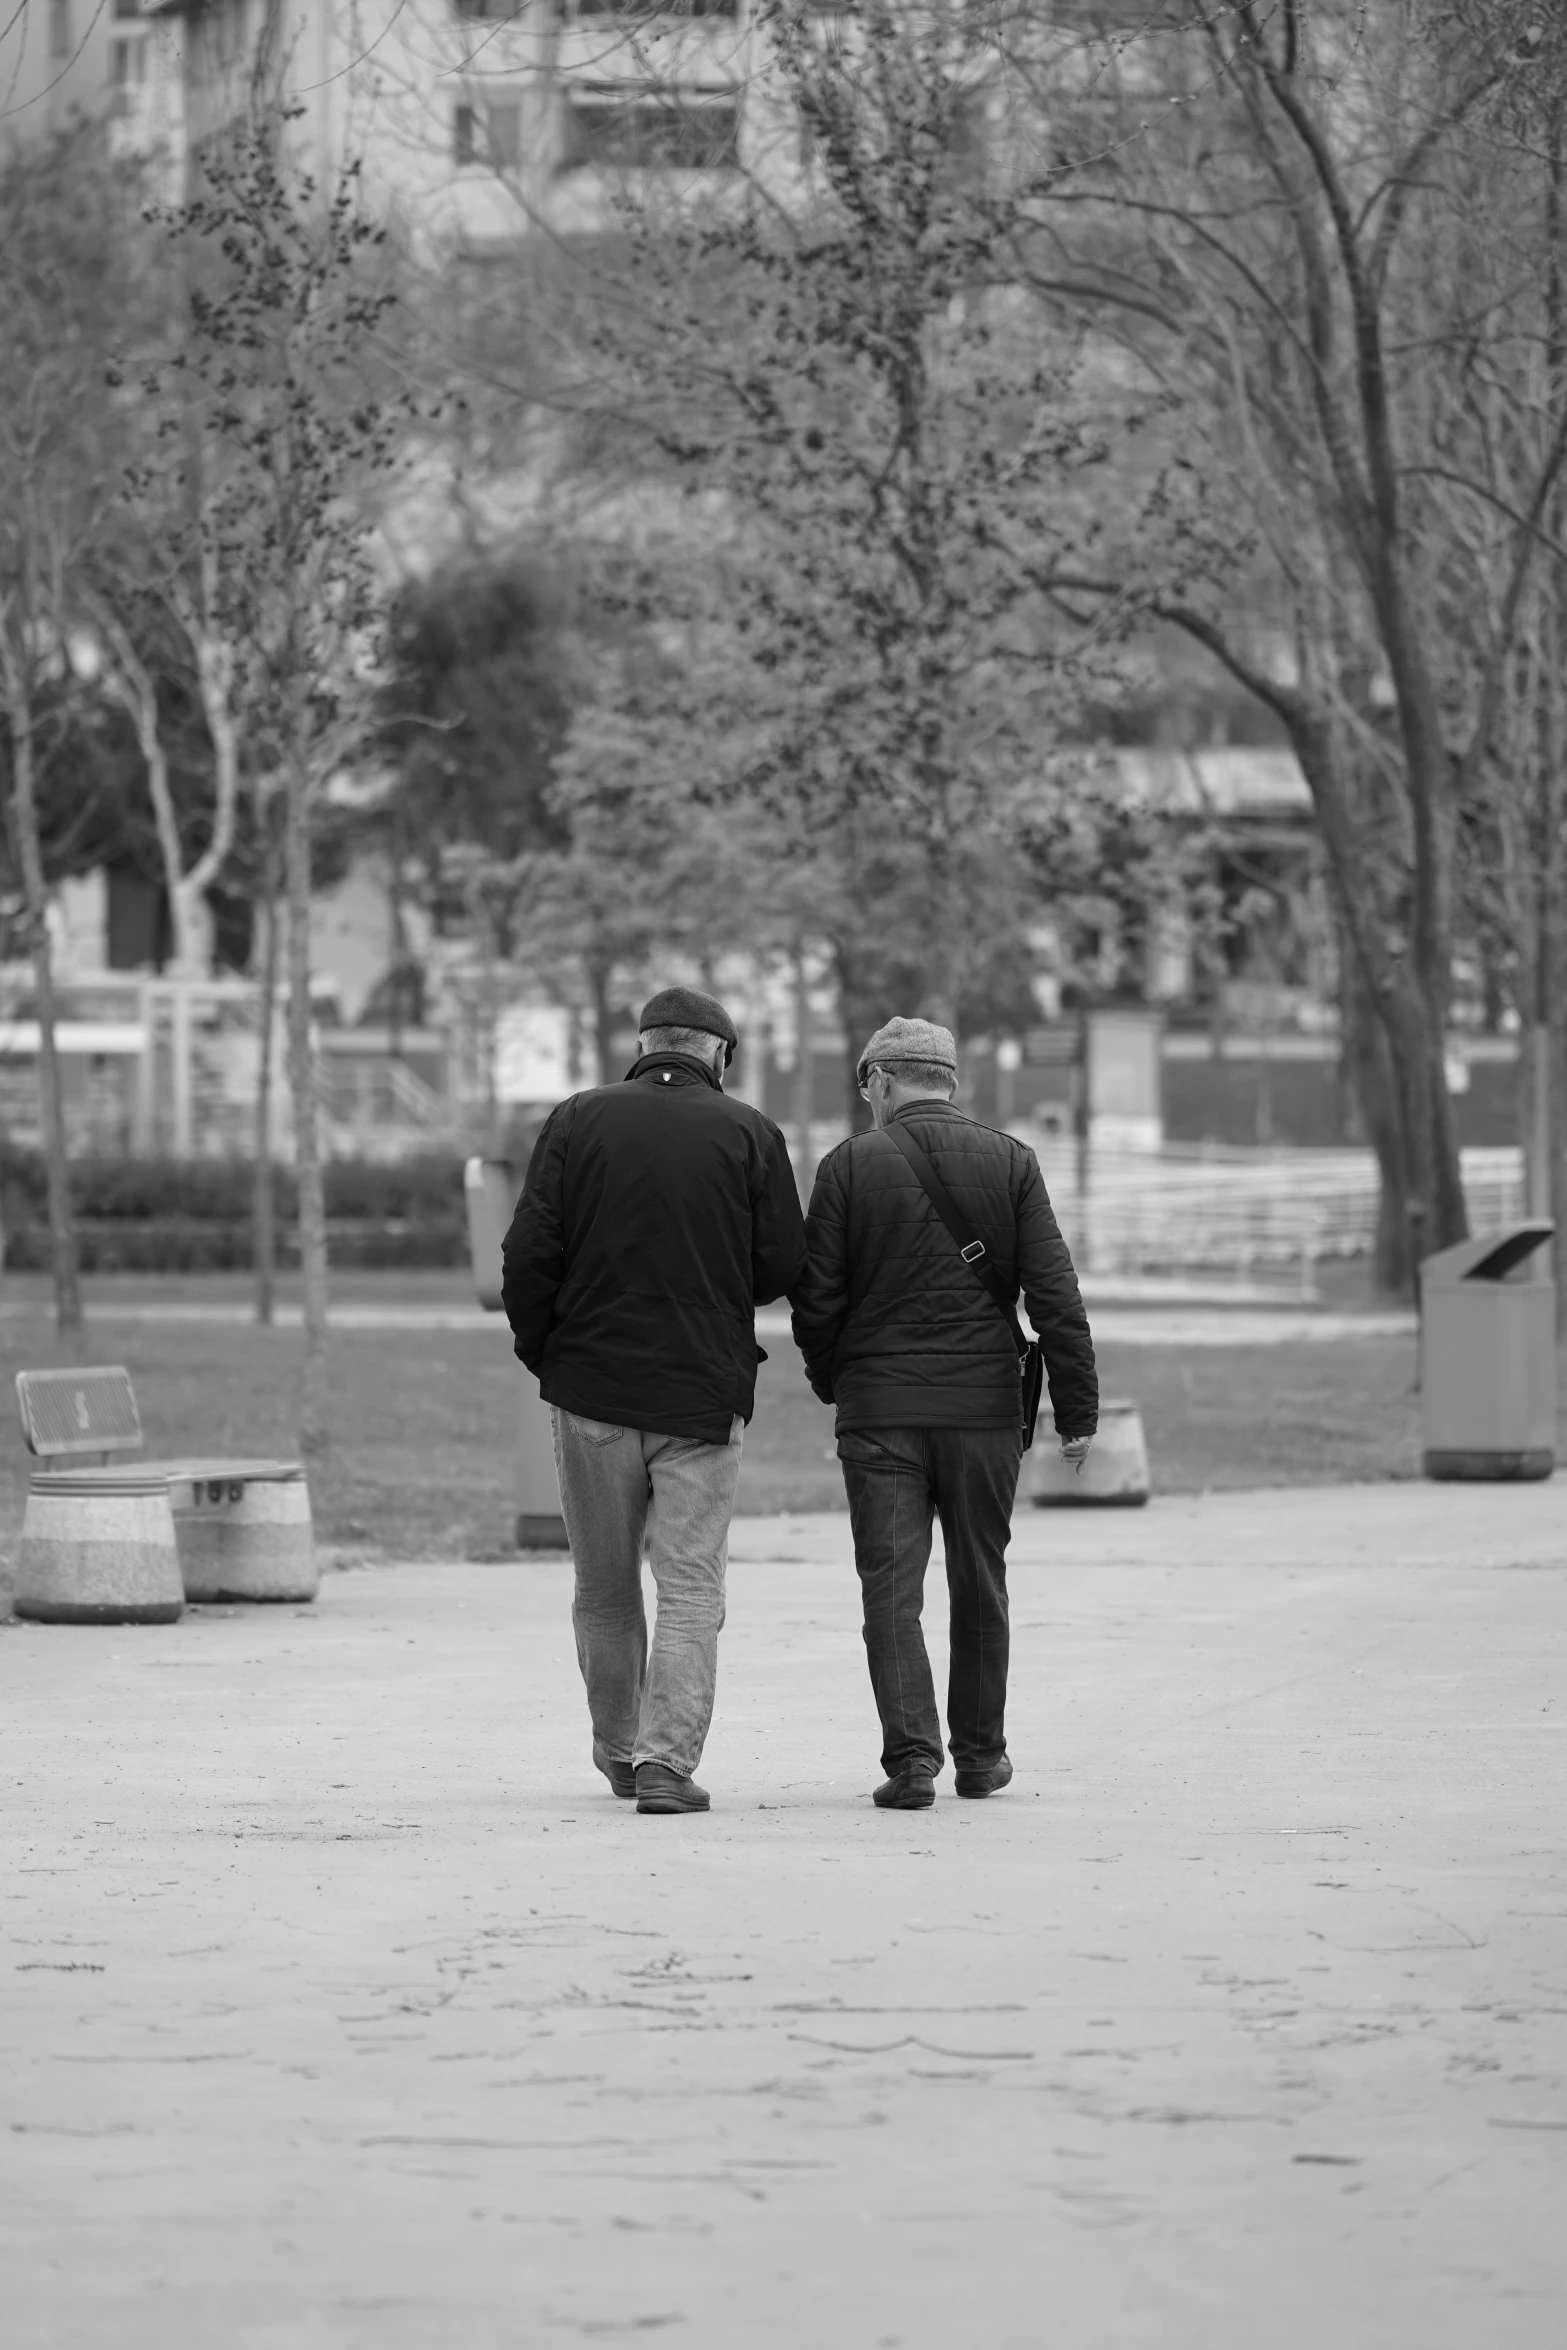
[(344, 2009)]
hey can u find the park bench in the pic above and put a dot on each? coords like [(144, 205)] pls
[(242, 1527)]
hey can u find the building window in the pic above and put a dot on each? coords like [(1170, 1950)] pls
[(218, 38), (489, 11), (504, 125), (694, 132), (60, 42), (127, 63), (489, 134)]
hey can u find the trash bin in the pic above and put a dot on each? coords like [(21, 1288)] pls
[(1488, 1357), (490, 1188)]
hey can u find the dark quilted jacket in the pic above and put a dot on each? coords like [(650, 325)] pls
[(894, 1328)]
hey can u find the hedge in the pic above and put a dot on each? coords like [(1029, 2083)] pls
[(422, 1190), (193, 1215), (162, 1245)]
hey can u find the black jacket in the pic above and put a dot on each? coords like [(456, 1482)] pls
[(656, 1216), (894, 1327)]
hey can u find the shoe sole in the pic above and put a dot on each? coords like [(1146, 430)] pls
[(907, 1802), (973, 1794), (667, 1803)]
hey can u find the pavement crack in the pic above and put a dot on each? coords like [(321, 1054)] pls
[(913, 2040)]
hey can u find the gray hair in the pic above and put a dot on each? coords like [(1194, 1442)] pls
[(699, 1042), (925, 1076)]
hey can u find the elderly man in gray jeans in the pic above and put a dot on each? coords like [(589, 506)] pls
[(656, 1216)]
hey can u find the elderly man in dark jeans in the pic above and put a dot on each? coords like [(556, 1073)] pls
[(897, 1331), (656, 1216)]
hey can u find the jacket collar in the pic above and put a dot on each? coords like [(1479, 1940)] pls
[(934, 1107), (675, 1069)]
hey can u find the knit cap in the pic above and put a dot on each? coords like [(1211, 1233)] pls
[(902, 1041)]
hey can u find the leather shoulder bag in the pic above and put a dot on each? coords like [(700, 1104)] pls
[(1030, 1355)]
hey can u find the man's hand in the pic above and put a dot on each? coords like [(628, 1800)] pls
[(1076, 1450)]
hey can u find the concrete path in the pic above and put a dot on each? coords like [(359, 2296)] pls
[(342, 2008), (1384, 1526)]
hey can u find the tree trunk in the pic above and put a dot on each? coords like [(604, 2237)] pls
[(598, 985), (1417, 1036), (1412, 1024), (1368, 1071), (263, 1195), (1542, 1046), (944, 944), (63, 1253), (486, 1022), (804, 1074), (132, 685), (51, 1107), (1558, 1207), (860, 1008), (1551, 721), (313, 1427)]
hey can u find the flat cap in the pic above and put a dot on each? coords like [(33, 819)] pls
[(903, 1041), (688, 1007)]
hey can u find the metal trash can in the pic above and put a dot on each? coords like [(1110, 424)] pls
[(490, 1188), (1488, 1357)]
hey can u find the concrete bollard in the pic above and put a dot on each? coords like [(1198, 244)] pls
[(98, 1548), (1115, 1474), (490, 1187), (540, 1525), (243, 1532)]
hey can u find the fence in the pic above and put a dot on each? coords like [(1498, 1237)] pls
[(1253, 1219), (1258, 1219)]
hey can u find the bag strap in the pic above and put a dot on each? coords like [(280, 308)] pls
[(970, 1247)]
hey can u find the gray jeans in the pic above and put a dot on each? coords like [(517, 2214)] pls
[(614, 1483)]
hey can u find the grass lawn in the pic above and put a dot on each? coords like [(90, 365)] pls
[(420, 1465), (1216, 1417)]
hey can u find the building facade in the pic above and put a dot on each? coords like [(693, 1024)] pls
[(476, 122), (64, 62)]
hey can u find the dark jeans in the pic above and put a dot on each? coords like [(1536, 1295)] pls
[(898, 1479)]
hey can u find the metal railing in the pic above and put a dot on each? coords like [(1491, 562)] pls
[(1262, 1220)]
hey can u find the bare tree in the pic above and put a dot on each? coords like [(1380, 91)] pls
[(129, 680), (278, 367), (862, 444), (1259, 225), (59, 211), (22, 605), (1497, 411)]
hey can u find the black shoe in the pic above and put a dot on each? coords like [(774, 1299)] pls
[(909, 1791), (661, 1789), (621, 1776), (987, 1782)]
